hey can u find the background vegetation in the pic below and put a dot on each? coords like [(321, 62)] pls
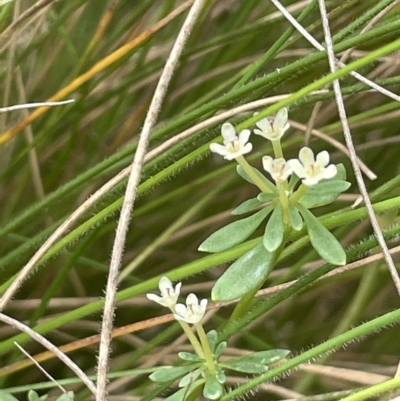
[(108, 56)]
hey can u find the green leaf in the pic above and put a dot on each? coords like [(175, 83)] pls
[(234, 233), (266, 196), (221, 377), (168, 373), (247, 206), (220, 349), (213, 388), (265, 357), (7, 396), (69, 396), (32, 396), (245, 274), (295, 218), (341, 172), (212, 337), (323, 193), (255, 362), (244, 366), (183, 393), (188, 356), (293, 181), (274, 230), (324, 242), (191, 377), (260, 175)]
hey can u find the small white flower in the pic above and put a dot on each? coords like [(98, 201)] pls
[(310, 169), (273, 129), (169, 294), (234, 146), (193, 311), (278, 168)]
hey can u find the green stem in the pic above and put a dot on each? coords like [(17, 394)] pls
[(206, 348), (329, 345), (285, 203), (298, 194), (373, 391), (276, 145), (193, 339), (251, 173)]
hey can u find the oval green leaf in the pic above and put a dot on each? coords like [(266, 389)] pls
[(324, 242), (266, 197), (264, 357), (245, 274), (69, 396), (212, 388), (323, 193), (234, 233), (212, 337), (244, 366), (295, 218), (168, 373), (274, 230), (188, 356), (32, 396), (247, 206)]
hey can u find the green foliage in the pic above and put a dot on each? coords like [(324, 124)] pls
[(234, 233), (247, 272), (49, 168), (327, 246)]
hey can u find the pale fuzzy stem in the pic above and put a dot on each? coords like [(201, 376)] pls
[(51, 347), (130, 196), (353, 156)]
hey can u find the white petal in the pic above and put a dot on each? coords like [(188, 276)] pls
[(164, 284), (310, 181), (246, 149), (203, 305), (228, 132), (281, 117), (154, 297), (323, 158), (297, 168), (244, 136), (329, 172), (181, 311), (218, 148), (306, 156), (267, 163), (192, 299), (264, 125), (259, 132)]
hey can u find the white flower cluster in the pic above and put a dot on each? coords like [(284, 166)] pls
[(191, 313), (307, 167)]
